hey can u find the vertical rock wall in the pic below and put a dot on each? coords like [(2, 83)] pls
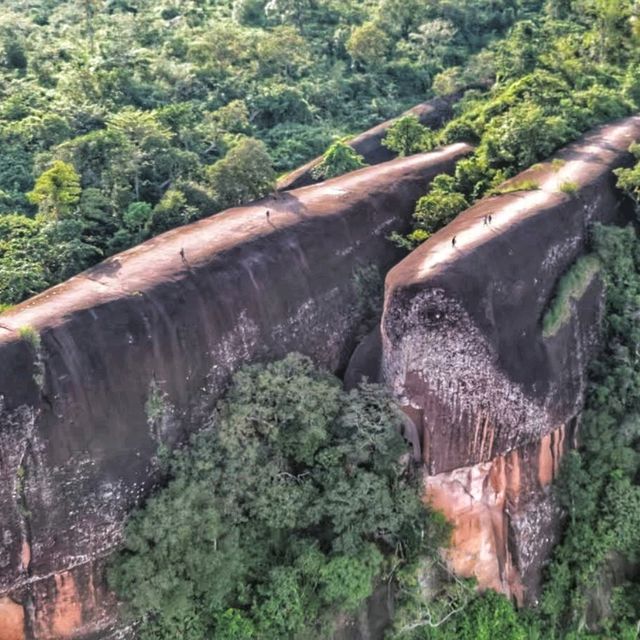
[(97, 372), (495, 401)]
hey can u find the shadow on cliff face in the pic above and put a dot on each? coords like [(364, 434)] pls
[(372, 621)]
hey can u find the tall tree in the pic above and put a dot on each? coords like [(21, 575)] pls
[(56, 190)]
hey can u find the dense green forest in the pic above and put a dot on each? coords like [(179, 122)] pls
[(120, 119)]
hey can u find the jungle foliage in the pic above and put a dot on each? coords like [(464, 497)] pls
[(573, 65), (284, 512), (120, 119)]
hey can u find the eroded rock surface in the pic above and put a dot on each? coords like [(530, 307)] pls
[(97, 372), (464, 353)]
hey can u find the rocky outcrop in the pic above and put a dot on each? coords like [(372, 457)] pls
[(494, 399), (97, 372), (433, 113)]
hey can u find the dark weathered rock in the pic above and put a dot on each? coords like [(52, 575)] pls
[(433, 113), (115, 358), (373, 618), (364, 364), (464, 351)]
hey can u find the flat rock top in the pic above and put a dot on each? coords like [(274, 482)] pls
[(159, 260), (581, 163)]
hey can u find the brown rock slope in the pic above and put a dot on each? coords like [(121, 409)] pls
[(433, 113), (84, 365), (495, 402)]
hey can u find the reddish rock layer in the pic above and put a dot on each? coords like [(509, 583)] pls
[(433, 113), (167, 321), (463, 348), (488, 505)]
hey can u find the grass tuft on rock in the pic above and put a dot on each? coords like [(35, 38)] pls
[(571, 286)]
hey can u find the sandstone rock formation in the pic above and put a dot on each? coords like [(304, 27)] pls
[(97, 372), (433, 113), (494, 401)]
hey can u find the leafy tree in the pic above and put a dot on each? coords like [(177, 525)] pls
[(278, 516), (433, 211), (56, 190), (339, 158), (406, 136), (429, 43), (289, 10), (171, 211), (14, 55), (368, 44), (629, 179), (244, 174)]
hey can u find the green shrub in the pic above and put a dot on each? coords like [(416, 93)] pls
[(407, 136), (30, 335), (338, 159), (569, 187), (441, 205), (629, 178), (521, 185), (571, 287)]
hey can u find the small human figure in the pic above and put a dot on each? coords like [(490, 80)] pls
[(182, 256), (485, 221), (268, 214), (489, 218), (453, 241)]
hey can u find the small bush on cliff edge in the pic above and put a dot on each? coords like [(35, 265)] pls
[(278, 516), (629, 178), (338, 159)]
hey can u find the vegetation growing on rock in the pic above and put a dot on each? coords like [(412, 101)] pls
[(560, 73), (629, 179), (339, 158), (571, 287)]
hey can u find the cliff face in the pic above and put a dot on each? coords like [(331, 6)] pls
[(433, 113), (95, 372), (495, 401)]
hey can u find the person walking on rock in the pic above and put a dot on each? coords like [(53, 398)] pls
[(453, 242)]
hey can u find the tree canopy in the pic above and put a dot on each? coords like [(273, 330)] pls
[(282, 513)]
